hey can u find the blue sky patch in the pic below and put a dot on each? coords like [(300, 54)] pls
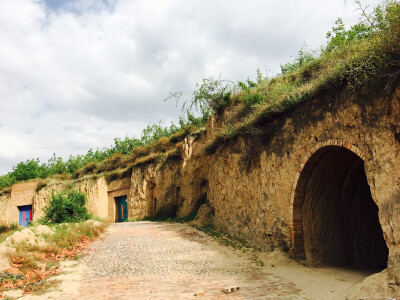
[(57, 4)]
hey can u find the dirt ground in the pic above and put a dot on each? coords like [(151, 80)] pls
[(147, 260)]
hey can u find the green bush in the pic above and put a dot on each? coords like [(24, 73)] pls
[(67, 206), (212, 94), (303, 58), (6, 181), (29, 170), (249, 92)]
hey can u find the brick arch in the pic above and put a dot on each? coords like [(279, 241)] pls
[(298, 189)]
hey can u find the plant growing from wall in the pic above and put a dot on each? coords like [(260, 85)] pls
[(66, 206)]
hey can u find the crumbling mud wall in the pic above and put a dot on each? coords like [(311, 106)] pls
[(4, 208), (97, 198), (262, 190), (155, 191), (95, 189), (171, 188), (320, 181)]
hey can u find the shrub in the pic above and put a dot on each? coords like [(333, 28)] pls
[(214, 94), (111, 176), (62, 176), (180, 135), (161, 145), (249, 93), (86, 169), (6, 181), (65, 207), (113, 162), (140, 152), (119, 174), (303, 58), (29, 170)]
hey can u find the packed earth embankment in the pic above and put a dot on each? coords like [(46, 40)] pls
[(320, 182)]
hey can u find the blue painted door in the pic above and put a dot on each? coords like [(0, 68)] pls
[(25, 215), (122, 209)]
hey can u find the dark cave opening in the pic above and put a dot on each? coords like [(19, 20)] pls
[(339, 218)]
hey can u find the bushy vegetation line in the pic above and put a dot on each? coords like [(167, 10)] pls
[(367, 53), (124, 154)]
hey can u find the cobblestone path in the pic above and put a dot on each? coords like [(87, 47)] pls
[(145, 260)]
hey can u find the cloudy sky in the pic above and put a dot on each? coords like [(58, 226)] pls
[(74, 74)]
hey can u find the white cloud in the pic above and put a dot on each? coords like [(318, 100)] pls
[(77, 74)]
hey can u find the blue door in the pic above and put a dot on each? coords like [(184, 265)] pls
[(25, 215), (122, 209)]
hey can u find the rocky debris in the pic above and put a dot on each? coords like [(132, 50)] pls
[(43, 230), (25, 235), (229, 290), (376, 286), (4, 252), (205, 215), (94, 223)]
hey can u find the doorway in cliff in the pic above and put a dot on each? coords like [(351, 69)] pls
[(122, 208), (151, 200), (335, 219)]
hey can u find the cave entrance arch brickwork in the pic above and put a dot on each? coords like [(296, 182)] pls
[(335, 219), (298, 189)]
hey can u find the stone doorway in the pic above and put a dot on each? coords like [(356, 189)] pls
[(121, 208), (335, 219)]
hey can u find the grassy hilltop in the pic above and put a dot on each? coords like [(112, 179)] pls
[(364, 56)]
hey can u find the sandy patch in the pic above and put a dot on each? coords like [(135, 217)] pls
[(4, 252), (26, 235)]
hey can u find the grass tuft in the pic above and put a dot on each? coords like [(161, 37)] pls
[(7, 229)]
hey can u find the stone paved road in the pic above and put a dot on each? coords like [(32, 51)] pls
[(145, 260)]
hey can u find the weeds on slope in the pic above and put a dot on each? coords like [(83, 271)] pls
[(7, 229), (362, 57), (33, 265)]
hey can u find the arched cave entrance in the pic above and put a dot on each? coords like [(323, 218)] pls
[(335, 219)]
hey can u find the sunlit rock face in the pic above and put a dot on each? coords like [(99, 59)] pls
[(321, 181)]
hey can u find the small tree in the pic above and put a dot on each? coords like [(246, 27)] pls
[(29, 170), (66, 206)]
